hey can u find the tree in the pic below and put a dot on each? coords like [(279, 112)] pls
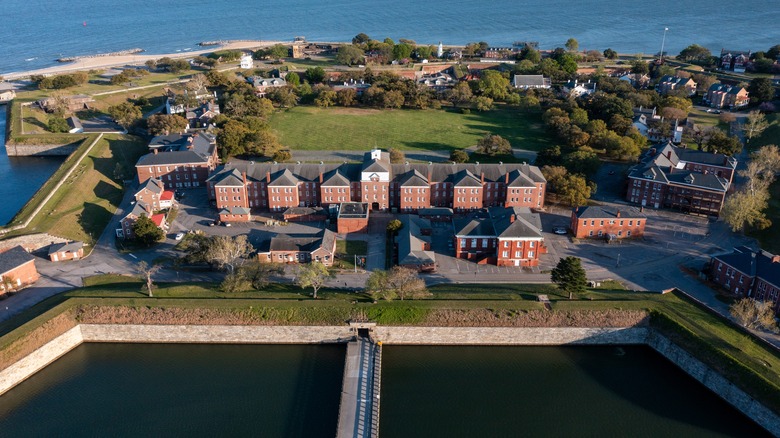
[(744, 209), (346, 97), (226, 251), (459, 94), (325, 98), (146, 273), (278, 51), (753, 314), (147, 232), (285, 97), (400, 282), (293, 79), (721, 142), (761, 90), (572, 45), (392, 99), (235, 282), (315, 75), (349, 55), (126, 114), (695, 52), (313, 275), (492, 144), (610, 54), (58, 123), (493, 84), (394, 226), (483, 103), (640, 67), (165, 124), (396, 155), (573, 190), (259, 274), (230, 138), (569, 275), (173, 65), (402, 51), (459, 156), (755, 125), (361, 38), (703, 81)]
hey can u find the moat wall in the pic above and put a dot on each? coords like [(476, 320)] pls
[(518, 336), (29, 150)]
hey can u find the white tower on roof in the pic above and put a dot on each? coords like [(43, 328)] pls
[(440, 52)]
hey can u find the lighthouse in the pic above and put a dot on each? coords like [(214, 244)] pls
[(440, 52)]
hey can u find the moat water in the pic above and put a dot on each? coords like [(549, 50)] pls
[(21, 176), (36, 32), (294, 391)]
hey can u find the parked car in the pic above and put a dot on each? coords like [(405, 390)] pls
[(559, 230), (179, 236)]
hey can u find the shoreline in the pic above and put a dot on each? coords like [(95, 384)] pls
[(91, 62)]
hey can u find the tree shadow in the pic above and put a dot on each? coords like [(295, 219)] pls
[(35, 122), (93, 219)]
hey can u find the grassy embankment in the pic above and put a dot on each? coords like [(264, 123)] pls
[(357, 129), (712, 339), (84, 204)]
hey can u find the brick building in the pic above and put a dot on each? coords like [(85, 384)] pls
[(727, 96), (675, 177), (17, 269), (736, 60), (749, 273), (501, 236), (179, 161), (352, 218), (670, 84), (59, 252), (140, 209), (405, 188), (413, 244), (153, 192), (607, 222), (283, 248)]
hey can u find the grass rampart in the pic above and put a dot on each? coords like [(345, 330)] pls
[(734, 353)]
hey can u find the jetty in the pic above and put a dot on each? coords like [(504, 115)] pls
[(359, 408)]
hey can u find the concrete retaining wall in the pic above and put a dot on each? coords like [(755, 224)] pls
[(715, 382), (24, 150), (216, 334), (40, 358)]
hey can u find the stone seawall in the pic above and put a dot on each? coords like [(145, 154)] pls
[(216, 334), (715, 382), (27, 150), (509, 335), (40, 358)]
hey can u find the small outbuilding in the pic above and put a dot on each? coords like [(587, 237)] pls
[(60, 252)]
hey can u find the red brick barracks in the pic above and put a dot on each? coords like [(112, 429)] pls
[(179, 161), (607, 222), (684, 179), (240, 186), (749, 273)]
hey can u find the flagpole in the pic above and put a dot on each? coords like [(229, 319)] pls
[(663, 43)]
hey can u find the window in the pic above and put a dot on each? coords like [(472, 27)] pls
[(628, 233), (484, 243), (531, 244), (473, 243), (518, 254), (506, 244), (505, 254), (530, 254), (462, 243), (602, 223), (600, 233), (590, 233)]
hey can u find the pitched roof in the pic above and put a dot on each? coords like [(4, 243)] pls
[(667, 164), (167, 195), (478, 225), (301, 242), (285, 178), (168, 158), (411, 242), (158, 219), (13, 258), (517, 222), (335, 179), (465, 178), (154, 185), (65, 247), (762, 264), (413, 178), (601, 212)]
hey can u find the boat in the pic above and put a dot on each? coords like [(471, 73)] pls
[(30, 59)]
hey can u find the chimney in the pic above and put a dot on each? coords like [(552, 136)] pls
[(268, 177), (155, 151), (246, 188), (429, 172), (506, 178), (512, 218), (320, 175), (617, 214), (671, 169), (482, 177), (669, 154)]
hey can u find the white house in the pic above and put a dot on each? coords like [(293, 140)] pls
[(247, 62)]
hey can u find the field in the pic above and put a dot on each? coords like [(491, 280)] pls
[(771, 135), (309, 128), (84, 204)]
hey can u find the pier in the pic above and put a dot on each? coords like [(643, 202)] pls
[(359, 409)]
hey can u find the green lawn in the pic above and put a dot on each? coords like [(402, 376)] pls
[(771, 135), (311, 128), (770, 237), (346, 250)]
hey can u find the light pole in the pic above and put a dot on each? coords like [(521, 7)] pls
[(663, 43)]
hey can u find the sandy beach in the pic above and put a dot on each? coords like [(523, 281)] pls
[(98, 62)]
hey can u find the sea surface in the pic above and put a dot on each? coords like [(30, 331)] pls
[(20, 177), (36, 32)]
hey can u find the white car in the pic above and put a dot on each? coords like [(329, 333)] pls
[(179, 236), (559, 230)]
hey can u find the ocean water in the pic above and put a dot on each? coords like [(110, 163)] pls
[(36, 32)]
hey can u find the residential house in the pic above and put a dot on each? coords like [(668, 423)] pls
[(437, 81), (607, 222), (736, 60), (635, 79), (17, 269), (179, 161), (656, 129), (727, 96), (264, 85), (404, 188), (246, 62), (140, 209), (60, 252), (675, 177), (525, 82), (748, 273), (576, 89), (303, 248), (153, 193), (413, 244), (500, 236), (498, 52), (670, 84)]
